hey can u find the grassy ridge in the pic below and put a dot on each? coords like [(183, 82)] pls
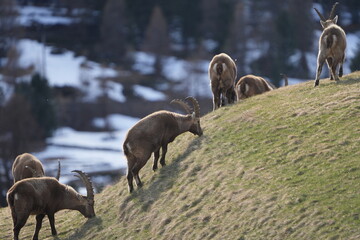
[(282, 165)]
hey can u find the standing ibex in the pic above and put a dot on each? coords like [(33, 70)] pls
[(251, 85), (332, 45), (156, 131), (46, 196), (222, 73), (27, 165)]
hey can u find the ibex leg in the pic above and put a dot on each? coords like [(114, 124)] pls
[(329, 63), (163, 153), (341, 70), (39, 219), (320, 64), (130, 175), (156, 158), (230, 95), (52, 223), (333, 72), (341, 66), (216, 100), (21, 220), (136, 169)]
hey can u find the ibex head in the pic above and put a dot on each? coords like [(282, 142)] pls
[(331, 20), (87, 202), (195, 128)]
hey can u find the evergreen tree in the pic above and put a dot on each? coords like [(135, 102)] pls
[(236, 44), (157, 39), (38, 94), (9, 30), (113, 32)]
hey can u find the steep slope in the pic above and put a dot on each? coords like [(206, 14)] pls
[(282, 165)]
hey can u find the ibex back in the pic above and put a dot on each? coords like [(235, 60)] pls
[(222, 73)]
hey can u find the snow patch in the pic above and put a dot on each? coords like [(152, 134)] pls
[(42, 15), (149, 93)]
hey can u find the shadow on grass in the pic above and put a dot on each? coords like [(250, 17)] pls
[(164, 180), (85, 228), (348, 80)]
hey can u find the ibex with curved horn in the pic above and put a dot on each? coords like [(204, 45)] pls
[(332, 45), (46, 196), (156, 131), (27, 165)]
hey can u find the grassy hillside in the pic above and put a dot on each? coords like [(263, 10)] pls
[(282, 165)]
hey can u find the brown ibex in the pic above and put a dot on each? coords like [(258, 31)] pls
[(156, 131), (222, 73), (332, 45), (46, 196), (251, 85), (27, 165)]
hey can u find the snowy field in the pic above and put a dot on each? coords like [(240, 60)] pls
[(91, 152)]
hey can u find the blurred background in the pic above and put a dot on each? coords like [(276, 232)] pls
[(75, 75)]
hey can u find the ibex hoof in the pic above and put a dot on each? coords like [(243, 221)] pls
[(316, 83)]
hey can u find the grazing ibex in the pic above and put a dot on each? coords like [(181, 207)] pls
[(251, 85), (27, 165), (46, 196), (222, 73), (156, 131), (332, 45)]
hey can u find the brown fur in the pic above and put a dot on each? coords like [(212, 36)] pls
[(27, 165), (332, 45), (222, 79), (151, 133), (45, 196), (251, 85)]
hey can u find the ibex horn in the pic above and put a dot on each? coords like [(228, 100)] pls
[(59, 171), (87, 182), (320, 15), (32, 170), (183, 104), (331, 16), (196, 106)]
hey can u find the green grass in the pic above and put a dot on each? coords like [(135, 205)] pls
[(282, 165)]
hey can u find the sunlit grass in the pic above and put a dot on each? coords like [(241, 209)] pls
[(282, 165)]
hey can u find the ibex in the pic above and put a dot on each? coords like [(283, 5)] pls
[(27, 165), (156, 131), (251, 85), (222, 73), (332, 45), (46, 196)]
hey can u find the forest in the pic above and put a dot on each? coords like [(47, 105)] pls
[(264, 37)]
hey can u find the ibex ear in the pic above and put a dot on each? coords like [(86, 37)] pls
[(335, 19), (322, 23), (193, 115)]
